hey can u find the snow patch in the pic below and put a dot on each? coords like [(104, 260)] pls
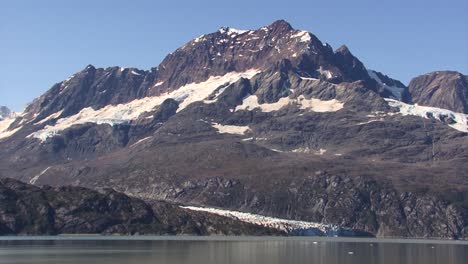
[(315, 105), (460, 120), (200, 38), (304, 36), (230, 129), (123, 113), (52, 116), (370, 121), (232, 31), (328, 74), (140, 141), (35, 178), (251, 102), (134, 72), (308, 78), (4, 125), (285, 225), (309, 150), (159, 84)]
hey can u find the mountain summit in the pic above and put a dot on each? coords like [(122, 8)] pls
[(270, 121), (444, 89), (5, 113)]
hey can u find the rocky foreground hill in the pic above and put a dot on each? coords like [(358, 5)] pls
[(272, 122), (29, 210)]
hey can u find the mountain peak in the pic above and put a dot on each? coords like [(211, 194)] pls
[(343, 49), (280, 24), (443, 89)]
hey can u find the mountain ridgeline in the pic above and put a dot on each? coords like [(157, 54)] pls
[(272, 122)]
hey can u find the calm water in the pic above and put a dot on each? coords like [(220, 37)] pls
[(115, 250)]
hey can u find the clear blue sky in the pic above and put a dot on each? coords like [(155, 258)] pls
[(43, 42)]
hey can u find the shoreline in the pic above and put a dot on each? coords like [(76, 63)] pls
[(98, 237)]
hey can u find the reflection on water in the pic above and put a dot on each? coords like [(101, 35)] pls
[(265, 250)]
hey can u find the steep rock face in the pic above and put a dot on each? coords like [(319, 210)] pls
[(29, 210), (230, 50), (443, 89), (91, 87), (389, 87)]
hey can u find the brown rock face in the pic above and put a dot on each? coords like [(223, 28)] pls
[(443, 89)]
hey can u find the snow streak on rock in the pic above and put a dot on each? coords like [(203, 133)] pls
[(229, 129), (124, 113)]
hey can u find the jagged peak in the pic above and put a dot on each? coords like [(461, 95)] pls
[(343, 49), (281, 25)]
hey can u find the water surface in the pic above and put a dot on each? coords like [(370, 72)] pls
[(216, 250)]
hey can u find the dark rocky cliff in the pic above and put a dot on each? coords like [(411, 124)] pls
[(29, 210)]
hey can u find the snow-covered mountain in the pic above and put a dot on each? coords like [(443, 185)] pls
[(270, 121)]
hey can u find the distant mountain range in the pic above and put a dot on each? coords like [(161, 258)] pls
[(6, 113), (271, 122)]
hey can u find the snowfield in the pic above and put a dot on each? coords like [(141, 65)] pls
[(4, 125), (124, 113), (314, 105), (229, 129), (289, 226), (304, 36), (460, 120)]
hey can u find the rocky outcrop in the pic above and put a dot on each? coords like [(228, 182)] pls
[(443, 89), (29, 210), (357, 203)]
